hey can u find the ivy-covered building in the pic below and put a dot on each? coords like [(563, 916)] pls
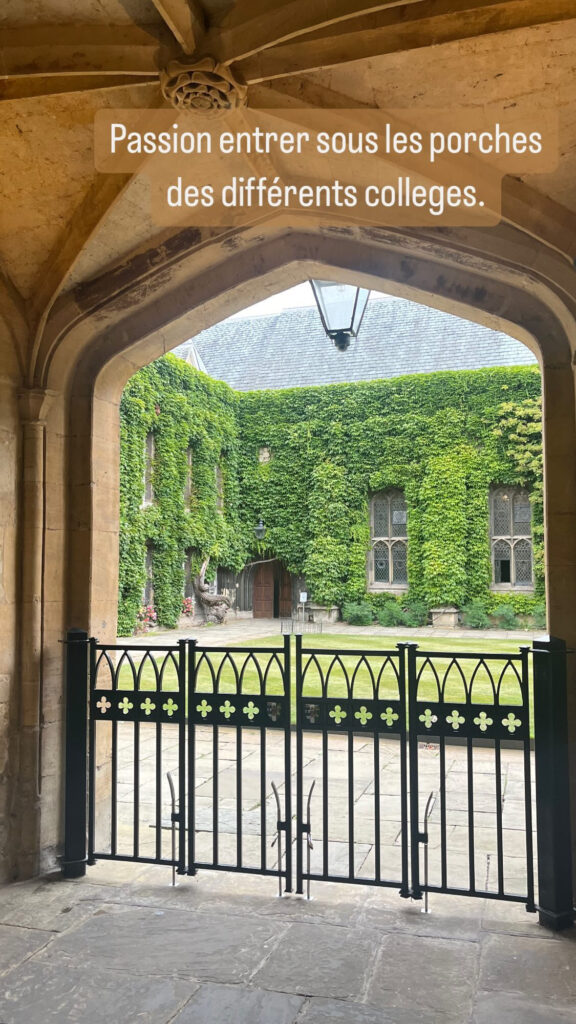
[(415, 489)]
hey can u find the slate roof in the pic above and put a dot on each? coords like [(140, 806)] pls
[(397, 337)]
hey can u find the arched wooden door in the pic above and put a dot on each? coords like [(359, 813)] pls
[(263, 593), (272, 595)]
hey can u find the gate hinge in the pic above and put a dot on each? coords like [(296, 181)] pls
[(280, 826), (422, 837), (175, 816)]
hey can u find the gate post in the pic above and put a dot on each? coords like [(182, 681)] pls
[(552, 785), (299, 771), (190, 820), (415, 837), (288, 763), (74, 860)]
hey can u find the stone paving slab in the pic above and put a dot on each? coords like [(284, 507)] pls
[(494, 1008), (38, 993), (153, 941), (227, 1004), (431, 974), (535, 968), (17, 944), (223, 948), (332, 1011), (320, 960)]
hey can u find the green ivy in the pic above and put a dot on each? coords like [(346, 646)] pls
[(444, 438), (185, 410)]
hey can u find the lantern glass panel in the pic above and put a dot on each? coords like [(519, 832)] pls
[(341, 306)]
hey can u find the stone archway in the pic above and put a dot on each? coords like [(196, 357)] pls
[(103, 332), (479, 292)]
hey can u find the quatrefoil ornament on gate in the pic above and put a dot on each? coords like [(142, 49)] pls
[(103, 705), (125, 705), (389, 716), (251, 710), (363, 715), (148, 706), (227, 709), (338, 714), (511, 722), (428, 718), (170, 707), (204, 708), (455, 719), (483, 721)]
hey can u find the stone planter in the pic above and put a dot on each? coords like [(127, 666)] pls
[(447, 616)]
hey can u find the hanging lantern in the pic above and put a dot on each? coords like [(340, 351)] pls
[(341, 308)]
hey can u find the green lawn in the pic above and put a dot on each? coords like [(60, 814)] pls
[(428, 689)]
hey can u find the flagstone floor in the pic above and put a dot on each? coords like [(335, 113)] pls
[(124, 947)]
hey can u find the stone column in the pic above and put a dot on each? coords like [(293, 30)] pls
[(33, 407)]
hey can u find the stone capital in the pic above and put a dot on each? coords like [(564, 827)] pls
[(34, 404)]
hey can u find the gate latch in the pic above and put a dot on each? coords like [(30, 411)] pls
[(306, 829), (423, 838), (280, 828)]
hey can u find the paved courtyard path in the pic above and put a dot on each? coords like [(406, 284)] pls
[(239, 630)]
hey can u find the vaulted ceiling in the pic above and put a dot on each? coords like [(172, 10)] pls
[(62, 60)]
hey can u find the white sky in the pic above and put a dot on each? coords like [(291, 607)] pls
[(297, 297)]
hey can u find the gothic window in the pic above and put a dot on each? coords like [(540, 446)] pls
[(148, 592), (388, 567), (511, 538), (188, 484), (148, 497), (188, 573), (219, 478)]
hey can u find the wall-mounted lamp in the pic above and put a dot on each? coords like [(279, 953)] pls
[(260, 531)]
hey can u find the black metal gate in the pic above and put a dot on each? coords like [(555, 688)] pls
[(422, 702), (350, 694), (412, 769), (481, 701)]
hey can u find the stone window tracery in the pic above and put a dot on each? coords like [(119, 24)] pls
[(148, 590), (188, 486), (388, 563), (150, 451), (511, 538)]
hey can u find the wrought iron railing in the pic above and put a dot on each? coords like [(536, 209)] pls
[(144, 721)]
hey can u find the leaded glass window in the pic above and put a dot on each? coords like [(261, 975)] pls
[(511, 538), (388, 566), (381, 562), (148, 591), (188, 485), (219, 479), (502, 562), (399, 563), (523, 563), (150, 451), (189, 573)]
